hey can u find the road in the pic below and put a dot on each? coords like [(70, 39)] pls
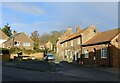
[(15, 74), (64, 71)]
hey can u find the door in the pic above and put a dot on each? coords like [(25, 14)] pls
[(94, 58)]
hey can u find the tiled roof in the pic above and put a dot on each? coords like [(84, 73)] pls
[(73, 36), (3, 35), (103, 37)]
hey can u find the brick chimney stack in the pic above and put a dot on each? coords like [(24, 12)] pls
[(78, 29), (70, 30), (14, 32)]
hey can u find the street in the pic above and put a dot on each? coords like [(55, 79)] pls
[(64, 71)]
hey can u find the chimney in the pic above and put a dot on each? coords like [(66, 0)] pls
[(78, 29), (70, 31), (14, 32), (64, 33)]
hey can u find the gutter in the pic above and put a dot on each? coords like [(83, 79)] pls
[(84, 45)]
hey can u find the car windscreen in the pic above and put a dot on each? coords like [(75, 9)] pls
[(50, 55)]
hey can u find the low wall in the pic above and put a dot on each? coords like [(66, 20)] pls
[(35, 55), (5, 57), (38, 55)]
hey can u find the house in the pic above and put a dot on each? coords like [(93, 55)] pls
[(3, 38), (103, 49), (49, 45), (42, 46), (72, 44), (60, 50), (20, 40)]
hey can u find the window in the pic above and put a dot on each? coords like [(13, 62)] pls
[(62, 45), (71, 42), (62, 53), (66, 44), (8, 47), (86, 54), (78, 41), (26, 44), (116, 40), (104, 53), (16, 43), (94, 31), (65, 52)]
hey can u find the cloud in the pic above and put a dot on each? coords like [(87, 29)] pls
[(40, 26), (25, 8)]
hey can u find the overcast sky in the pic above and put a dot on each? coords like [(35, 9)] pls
[(47, 16)]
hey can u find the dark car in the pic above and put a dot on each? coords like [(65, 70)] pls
[(50, 57)]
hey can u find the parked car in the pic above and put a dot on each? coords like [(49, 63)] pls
[(50, 57)]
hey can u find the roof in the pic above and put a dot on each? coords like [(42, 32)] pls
[(3, 35), (13, 36), (103, 37), (73, 36)]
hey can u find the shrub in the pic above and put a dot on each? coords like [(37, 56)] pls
[(15, 50), (5, 51), (27, 51)]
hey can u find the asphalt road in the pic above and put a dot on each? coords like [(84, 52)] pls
[(63, 72), (15, 74)]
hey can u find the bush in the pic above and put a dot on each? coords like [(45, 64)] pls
[(15, 50), (5, 51), (27, 51)]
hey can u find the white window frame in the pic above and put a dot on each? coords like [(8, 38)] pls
[(66, 44), (18, 43), (62, 45), (71, 42), (62, 53), (78, 41), (66, 52), (104, 53), (86, 54), (26, 43)]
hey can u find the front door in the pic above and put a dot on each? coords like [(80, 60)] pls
[(94, 56)]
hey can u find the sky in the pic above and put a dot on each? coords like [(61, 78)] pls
[(50, 16)]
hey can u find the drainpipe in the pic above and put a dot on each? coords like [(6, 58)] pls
[(109, 54), (81, 47)]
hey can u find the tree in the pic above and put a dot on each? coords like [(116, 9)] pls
[(35, 37), (44, 38), (6, 29)]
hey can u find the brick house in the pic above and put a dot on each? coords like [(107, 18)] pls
[(20, 40), (72, 44), (103, 49), (49, 45), (60, 50), (42, 46), (3, 37)]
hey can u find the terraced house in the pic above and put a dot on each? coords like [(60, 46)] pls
[(60, 50), (103, 49), (72, 44)]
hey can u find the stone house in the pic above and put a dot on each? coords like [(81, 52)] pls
[(103, 49), (3, 38), (72, 44), (60, 50), (20, 40)]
